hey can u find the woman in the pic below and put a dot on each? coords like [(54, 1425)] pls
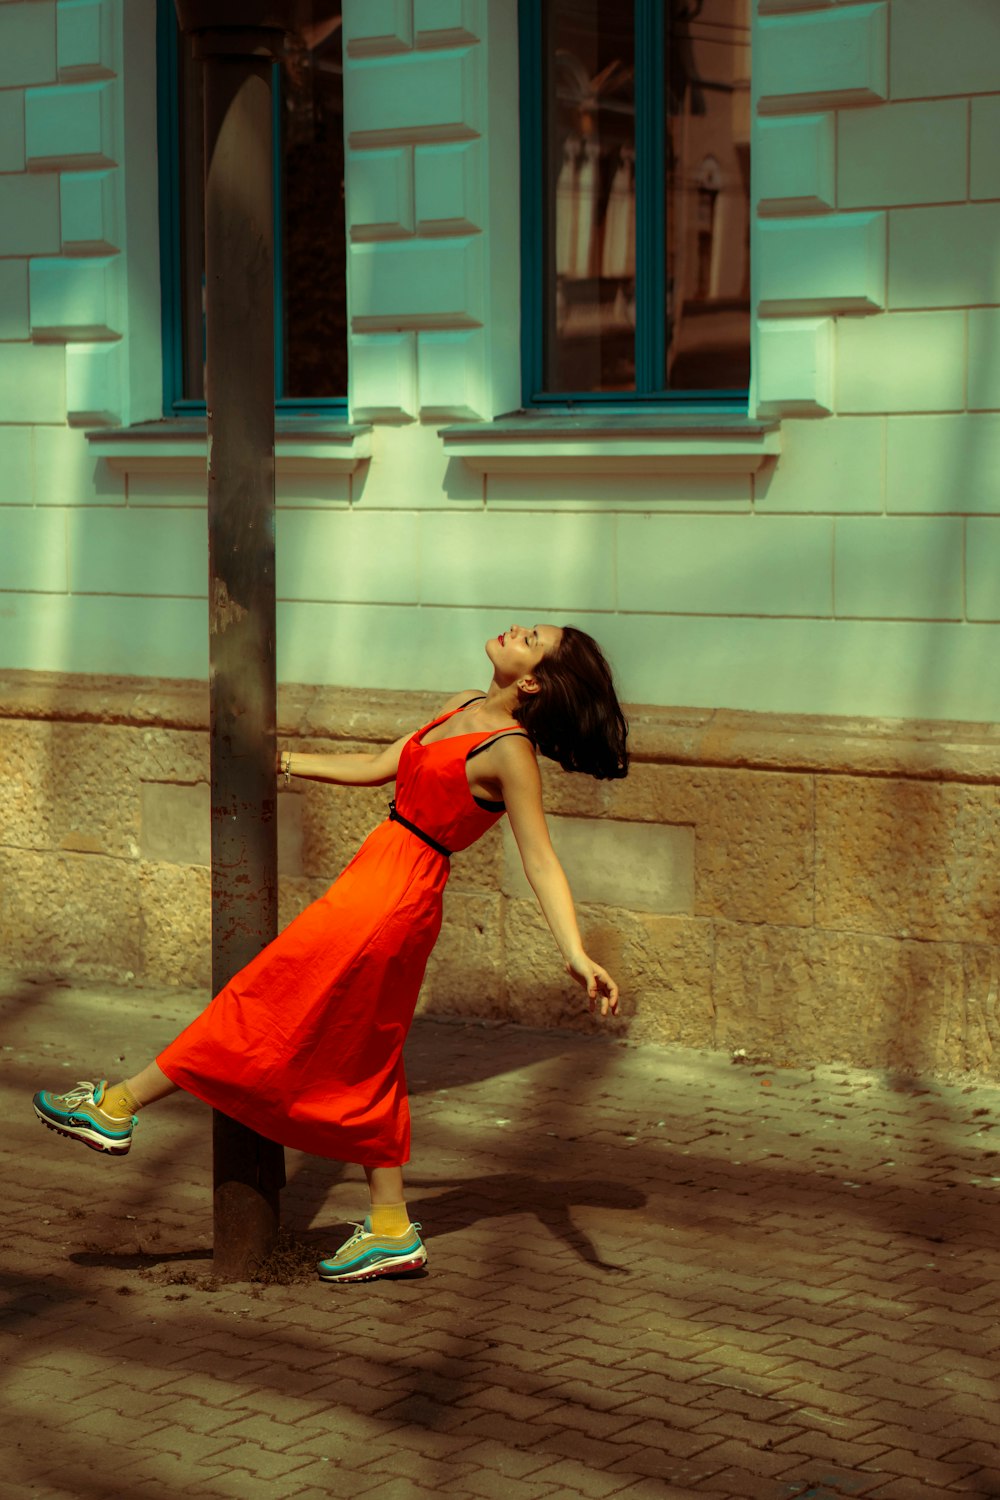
[(305, 1044)]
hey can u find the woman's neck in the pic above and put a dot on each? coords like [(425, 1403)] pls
[(500, 701)]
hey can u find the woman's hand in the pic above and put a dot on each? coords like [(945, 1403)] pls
[(601, 988)]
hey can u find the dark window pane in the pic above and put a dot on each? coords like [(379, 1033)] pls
[(708, 195), (191, 124), (313, 247), (589, 195), (310, 246)]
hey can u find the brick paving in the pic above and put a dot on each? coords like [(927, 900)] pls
[(653, 1273)]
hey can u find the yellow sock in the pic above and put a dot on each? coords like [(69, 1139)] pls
[(120, 1102), (389, 1218)]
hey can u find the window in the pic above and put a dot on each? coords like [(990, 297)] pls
[(309, 239), (636, 200)]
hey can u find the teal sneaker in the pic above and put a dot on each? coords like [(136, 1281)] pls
[(78, 1114), (365, 1255)]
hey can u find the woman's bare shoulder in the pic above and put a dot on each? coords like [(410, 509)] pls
[(458, 700)]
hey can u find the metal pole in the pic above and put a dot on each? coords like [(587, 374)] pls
[(239, 261)]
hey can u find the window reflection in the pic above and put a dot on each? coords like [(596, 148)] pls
[(310, 246), (596, 284), (590, 112), (708, 195)]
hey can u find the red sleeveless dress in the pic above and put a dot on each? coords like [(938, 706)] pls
[(305, 1044)]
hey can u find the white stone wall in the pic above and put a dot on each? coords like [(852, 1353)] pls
[(854, 574)]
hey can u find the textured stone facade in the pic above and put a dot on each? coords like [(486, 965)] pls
[(842, 903)]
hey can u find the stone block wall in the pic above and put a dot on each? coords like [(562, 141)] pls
[(806, 889)]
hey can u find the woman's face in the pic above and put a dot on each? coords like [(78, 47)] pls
[(516, 652)]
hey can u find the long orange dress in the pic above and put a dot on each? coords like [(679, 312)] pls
[(305, 1044)]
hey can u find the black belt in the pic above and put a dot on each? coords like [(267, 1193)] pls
[(397, 817)]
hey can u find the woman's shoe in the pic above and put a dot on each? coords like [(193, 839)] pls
[(365, 1255), (78, 1114)]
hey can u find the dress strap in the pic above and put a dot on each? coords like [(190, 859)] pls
[(503, 734), (397, 817)]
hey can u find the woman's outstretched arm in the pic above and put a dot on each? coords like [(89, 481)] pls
[(373, 768), (517, 772)]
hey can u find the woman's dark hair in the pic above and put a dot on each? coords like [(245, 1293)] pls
[(575, 717)]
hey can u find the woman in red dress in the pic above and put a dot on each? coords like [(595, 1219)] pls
[(305, 1044)]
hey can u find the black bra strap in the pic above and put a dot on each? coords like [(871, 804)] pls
[(502, 735), (477, 699), (397, 817)]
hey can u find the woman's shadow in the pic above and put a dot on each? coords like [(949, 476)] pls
[(470, 1201)]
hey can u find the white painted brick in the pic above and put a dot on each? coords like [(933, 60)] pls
[(902, 153), (405, 648), (67, 473), (380, 193), (901, 362), (89, 213), (984, 359), (27, 43), (85, 39), (448, 197), (882, 669), (75, 299), (416, 283), (13, 299), (15, 465), (488, 560), (985, 148), (714, 493), (418, 96), (377, 27), (410, 475), (12, 130), (449, 374), (944, 463), (795, 365), (29, 215), (304, 491), (32, 383), (641, 866), (168, 489), (835, 465), (892, 568), (434, 20), (94, 384), (32, 549), (128, 637), (383, 373), (138, 552), (944, 49), (368, 557), (794, 164), (944, 257), (832, 263), (71, 127), (983, 569), (734, 565), (821, 58)]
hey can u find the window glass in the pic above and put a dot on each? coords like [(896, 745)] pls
[(589, 195), (708, 195), (310, 248), (644, 198)]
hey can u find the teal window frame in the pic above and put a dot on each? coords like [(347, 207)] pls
[(650, 228), (175, 403)]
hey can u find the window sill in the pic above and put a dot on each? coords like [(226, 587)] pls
[(302, 446), (526, 443)]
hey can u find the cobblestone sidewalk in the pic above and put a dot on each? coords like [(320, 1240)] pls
[(653, 1273)]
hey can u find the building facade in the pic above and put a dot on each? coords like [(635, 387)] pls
[(687, 333)]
